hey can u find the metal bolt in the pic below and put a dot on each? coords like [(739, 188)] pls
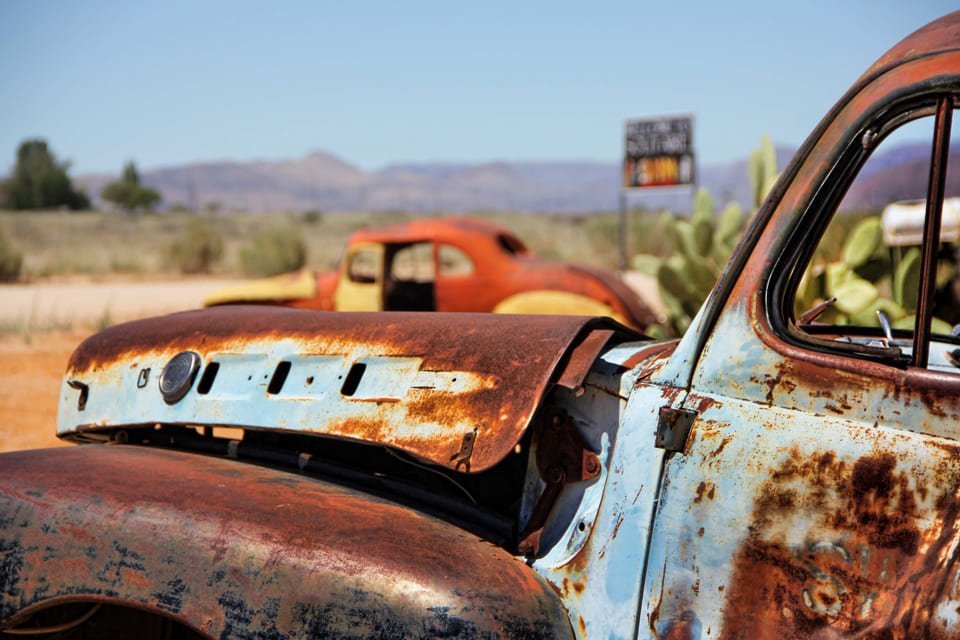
[(592, 464)]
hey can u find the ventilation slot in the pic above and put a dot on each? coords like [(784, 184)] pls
[(279, 377), (206, 380), (353, 379)]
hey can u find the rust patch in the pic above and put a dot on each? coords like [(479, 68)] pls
[(616, 528), (723, 443), (660, 351), (705, 402), (873, 563), (572, 587), (581, 358), (705, 490), (685, 626)]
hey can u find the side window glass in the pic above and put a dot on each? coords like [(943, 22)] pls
[(947, 306), (413, 263), (860, 266), (862, 283), (364, 265), (454, 262), (511, 245)]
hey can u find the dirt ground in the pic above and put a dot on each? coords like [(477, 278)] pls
[(43, 323), (79, 303), (30, 373)]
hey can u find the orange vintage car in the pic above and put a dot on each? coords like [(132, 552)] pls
[(448, 264)]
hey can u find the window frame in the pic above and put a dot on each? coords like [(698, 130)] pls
[(809, 226)]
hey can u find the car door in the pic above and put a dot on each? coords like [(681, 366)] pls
[(463, 281), (360, 285), (817, 492)]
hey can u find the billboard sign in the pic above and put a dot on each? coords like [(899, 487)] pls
[(659, 153)]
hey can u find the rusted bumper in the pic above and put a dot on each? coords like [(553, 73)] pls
[(239, 551)]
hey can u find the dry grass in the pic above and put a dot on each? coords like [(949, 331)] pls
[(103, 245)]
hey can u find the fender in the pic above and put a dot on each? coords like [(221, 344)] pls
[(236, 550)]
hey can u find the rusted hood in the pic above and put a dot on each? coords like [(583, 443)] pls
[(454, 389), (239, 551)]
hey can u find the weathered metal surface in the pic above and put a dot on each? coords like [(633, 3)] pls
[(595, 546), (776, 523), (931, 231), (636, 310), (457, 229), (925, 55), (818, 494), (936, 37), (502, 268), (235, 550), (673, 427), (581, 359), (417, 382), (563, 457), (297, 285)]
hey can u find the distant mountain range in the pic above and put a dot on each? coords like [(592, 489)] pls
[(322, 181), (901, 173)]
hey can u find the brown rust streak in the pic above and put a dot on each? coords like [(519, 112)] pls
[(660, 351), (873, 565), (705, 490), (826, 376), (438, 338)]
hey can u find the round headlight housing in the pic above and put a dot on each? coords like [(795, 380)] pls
[(178, 376)]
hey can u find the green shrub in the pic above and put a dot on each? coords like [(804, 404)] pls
[(198, 248), (312, 216), (274, 251), (11, 260), (129, 194)]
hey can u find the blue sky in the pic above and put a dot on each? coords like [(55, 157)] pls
[(376, 82)]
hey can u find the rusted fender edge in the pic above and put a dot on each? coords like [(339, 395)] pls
[(242, 551)]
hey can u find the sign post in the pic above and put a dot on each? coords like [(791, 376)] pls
[(658, 152)]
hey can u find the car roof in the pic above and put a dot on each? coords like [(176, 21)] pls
[(939, 36), (462, 227)]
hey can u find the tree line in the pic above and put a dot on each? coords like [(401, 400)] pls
[(40, 181)]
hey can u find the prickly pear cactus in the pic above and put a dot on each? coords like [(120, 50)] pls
[(703, 244), (858, 281), (864, 281)]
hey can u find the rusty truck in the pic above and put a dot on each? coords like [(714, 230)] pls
[(783, 470)]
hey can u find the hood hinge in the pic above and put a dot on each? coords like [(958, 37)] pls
[(673, 426)]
